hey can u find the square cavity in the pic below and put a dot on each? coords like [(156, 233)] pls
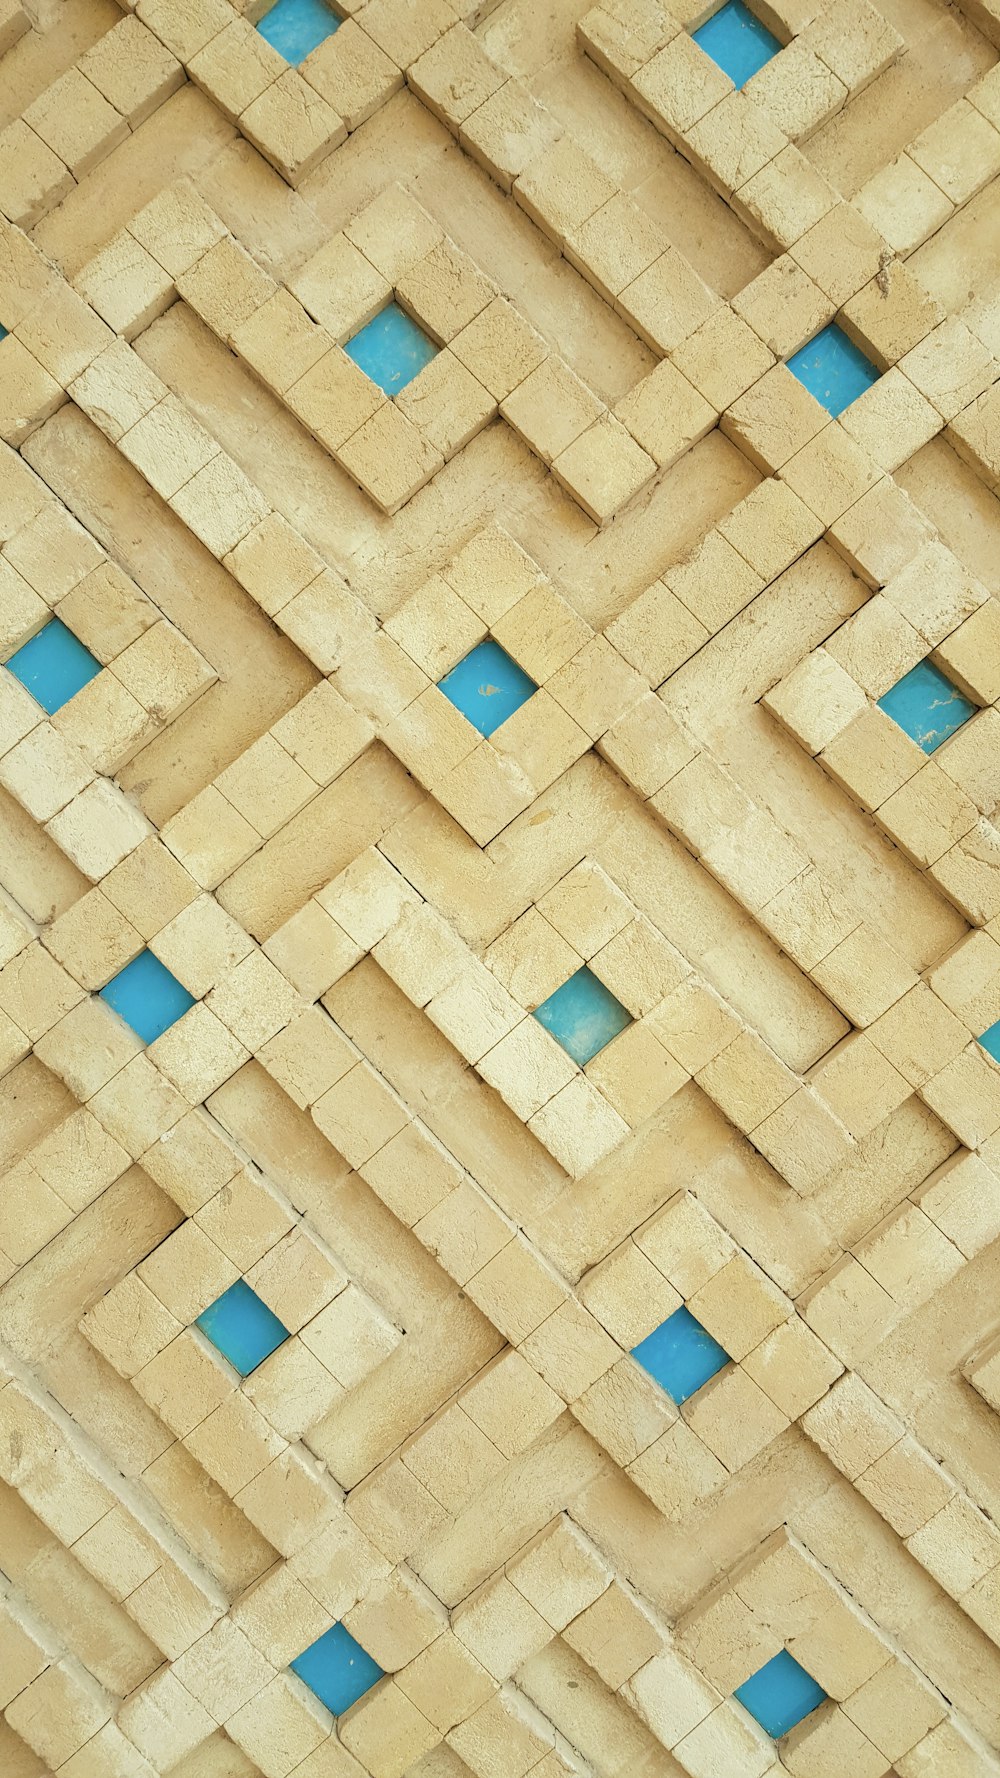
[(583, 1015), (990, 1041), (53, 666), (296, 27), (392, 349), (337, 1669), (780, 1694), (926, 706), (737, 41), (681, 1355), (487, 686), (147, 996), (242, 1327), (833, 369)]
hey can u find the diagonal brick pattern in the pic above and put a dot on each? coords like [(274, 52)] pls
[(499, 911)]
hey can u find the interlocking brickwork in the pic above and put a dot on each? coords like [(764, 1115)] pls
[(499, 889)]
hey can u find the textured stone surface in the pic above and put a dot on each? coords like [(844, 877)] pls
[(322, 1095)]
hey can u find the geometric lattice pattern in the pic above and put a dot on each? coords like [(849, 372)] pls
[(499, 885)]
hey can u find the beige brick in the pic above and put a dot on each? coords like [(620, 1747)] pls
[(447, 404), (872, 757), (28, 394), (551, 408), (280, 342), (858, 1084), (176, 227), (389, 457), (455, 76), (621, 39), (132, 69), (785, 198), (774, 419), (679, 84), (117, 390), (273, 563), (666, 415), (34, 177), (960, 151), (667, 301), (225, 287), (499, 348), (892, 314), (797, 90), (734, 141), (604, 468), (562, 188), (73, 119), (855, 41), (877, 646), (236, 67), (292, 126), (903, 203), (352, 73), (507, 133)]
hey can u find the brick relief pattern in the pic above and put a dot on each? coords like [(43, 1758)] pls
[(499, 879)]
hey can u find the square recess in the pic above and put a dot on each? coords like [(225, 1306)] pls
[(681, 1355), (337, 1669), (737, 41), (780, 1694), (296, 27), (242, 1327), (487, 686), (926, 706), (583, 1015), (392, 349), (147, 996), (53, 666), (833, 369), (990, 1041)]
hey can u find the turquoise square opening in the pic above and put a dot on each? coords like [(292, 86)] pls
[(780, 1694), (392, 349), (337, 1669), (990, 1041), (147, 996), (242, 1327), (487, 686), (681, 1355), (833, 369), (583, 1015), (737, 41), (53, 666), (296, 27), (926, 706)]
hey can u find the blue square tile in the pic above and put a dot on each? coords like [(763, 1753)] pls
[(242, 1327), (487, 686), (990, 1041), (926, 706), (833, 369), (583, 1015), (53, 666), (681, 1355), (296, 27), (737, 41), (147, 996), (392, 349), (780, 1694), (337, 1669)]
